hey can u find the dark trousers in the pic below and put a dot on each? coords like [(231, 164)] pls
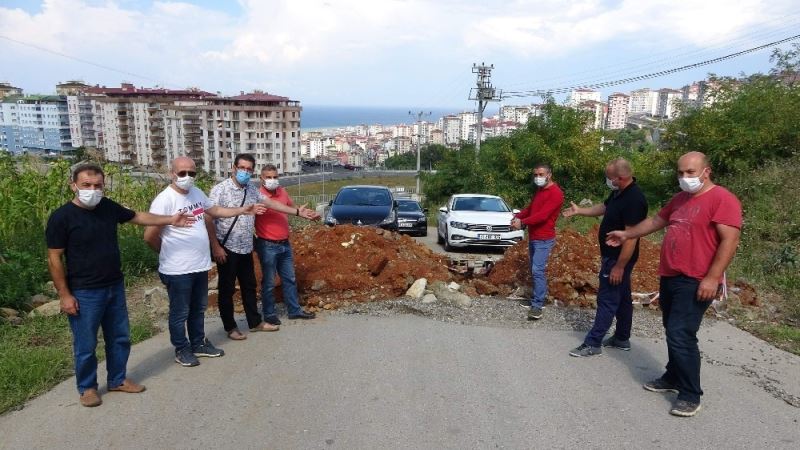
[(682, 314), (237, 266), (612, 301)]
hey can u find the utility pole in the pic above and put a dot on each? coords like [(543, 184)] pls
[(483, 94), (419, 133)]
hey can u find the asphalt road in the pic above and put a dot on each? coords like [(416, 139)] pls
[(409, 382)]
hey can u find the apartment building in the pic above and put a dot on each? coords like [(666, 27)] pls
[(668, 101), (468, 121), (643, 101), (578, 96), (451, 129), (617, 111), (598, 111), (6, 90), (35, 123), (264, 125)]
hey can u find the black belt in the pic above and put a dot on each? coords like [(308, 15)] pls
[(282, 241)]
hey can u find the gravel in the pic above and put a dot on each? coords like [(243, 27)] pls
[(501, 313)]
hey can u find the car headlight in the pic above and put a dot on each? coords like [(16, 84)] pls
[(460, 225), (422, 219), (389, 219)]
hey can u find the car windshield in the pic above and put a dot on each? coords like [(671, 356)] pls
[(490, 204), (406, 206), (363, 197)]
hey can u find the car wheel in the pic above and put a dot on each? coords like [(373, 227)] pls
[(424, 232), (447, 246), (439, 239)]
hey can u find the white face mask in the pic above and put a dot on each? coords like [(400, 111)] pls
[(184, 183), (271, 184), (691, 184), (610, 184), (90, 197), (540, 181)]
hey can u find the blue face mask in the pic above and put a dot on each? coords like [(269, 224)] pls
[(243, 177)]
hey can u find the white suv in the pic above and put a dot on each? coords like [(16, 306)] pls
[(476, 219)]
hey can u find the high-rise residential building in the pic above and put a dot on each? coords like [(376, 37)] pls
[(617, 111), (401, 131), (72, 87), (578, 96), (508, 112), (437, 136), (126, 122), (468, 121), (598, 111), (518, 114), (643, 101), (402, 144), (217, 129), (34, 123), (422, 131), (451, 129), (6, 89), (668, 100)]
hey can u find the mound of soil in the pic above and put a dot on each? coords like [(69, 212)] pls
[(351, 264)]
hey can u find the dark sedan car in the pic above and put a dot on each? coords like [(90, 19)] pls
[(363, 205), (411, 217)]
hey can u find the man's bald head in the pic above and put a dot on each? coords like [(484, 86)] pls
[(182, 163), (698, 159), (620, 168)]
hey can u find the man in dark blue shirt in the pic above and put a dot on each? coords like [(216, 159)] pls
[(90, 285), (624, 208)]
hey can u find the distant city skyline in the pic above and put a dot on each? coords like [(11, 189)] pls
[(393, 54)]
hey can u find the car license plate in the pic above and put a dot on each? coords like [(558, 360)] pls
[(489, 237), (405, 224)]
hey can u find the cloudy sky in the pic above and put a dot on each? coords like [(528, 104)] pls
[(381, 52)]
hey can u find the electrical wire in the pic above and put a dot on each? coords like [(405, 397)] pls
[(661, 73), (785, 25), (75, 58)]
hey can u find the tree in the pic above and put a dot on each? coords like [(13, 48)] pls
[(751, 121)]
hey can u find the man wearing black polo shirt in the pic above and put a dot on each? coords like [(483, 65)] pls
[(90, 285), (624, 208)]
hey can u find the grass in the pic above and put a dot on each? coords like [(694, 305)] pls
[(782, 336), (37, 355)]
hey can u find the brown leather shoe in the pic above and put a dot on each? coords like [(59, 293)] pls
[(128, 386), (90, 398)]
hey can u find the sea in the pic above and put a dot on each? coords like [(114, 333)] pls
[(321, 117)]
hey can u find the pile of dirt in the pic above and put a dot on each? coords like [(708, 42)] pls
[(348, 264), (572, 268), (357, 264)]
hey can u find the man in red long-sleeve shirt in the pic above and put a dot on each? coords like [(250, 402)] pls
[(540, 217)]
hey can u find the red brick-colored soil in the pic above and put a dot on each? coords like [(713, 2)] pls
[(358, 264)]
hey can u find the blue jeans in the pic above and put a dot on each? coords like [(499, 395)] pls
[(278, 258), (682, 313), (100, 307), (188, 299), (538, 252), (612, 301)]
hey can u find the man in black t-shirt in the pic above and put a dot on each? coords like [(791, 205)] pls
[(90, 284), (624, 208)]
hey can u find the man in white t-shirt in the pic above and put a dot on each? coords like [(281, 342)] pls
[(185, 259)]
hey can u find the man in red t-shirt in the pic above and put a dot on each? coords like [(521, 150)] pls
[(540, 216), (703, 226), (275, 252)]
